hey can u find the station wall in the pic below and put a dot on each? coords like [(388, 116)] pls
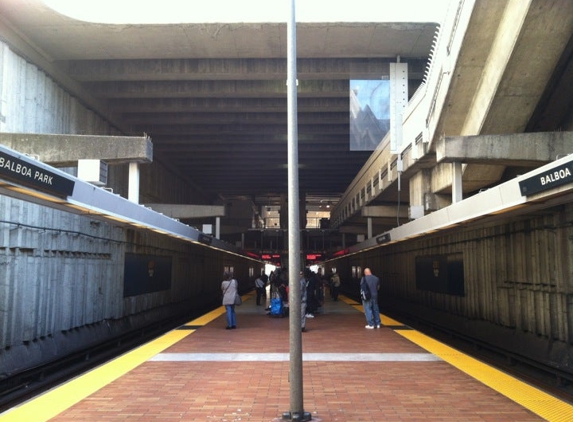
[(516, 283), (62, 275)]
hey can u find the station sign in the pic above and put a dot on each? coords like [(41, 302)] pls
[(30, 175), (204, 238), (274, 258), (549, 179)]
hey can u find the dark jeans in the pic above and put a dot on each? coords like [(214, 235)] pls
[(260, 294), (334, 292)]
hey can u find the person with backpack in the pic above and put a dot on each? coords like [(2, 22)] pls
[(369, 286)]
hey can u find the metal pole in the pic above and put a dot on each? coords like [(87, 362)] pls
[(295, 337)]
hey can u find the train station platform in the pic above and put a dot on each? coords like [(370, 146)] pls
[(203, 372)]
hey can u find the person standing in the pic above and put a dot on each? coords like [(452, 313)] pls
[(260, 286), (371, 310), (230, 288), (334, 286), (311, 302)]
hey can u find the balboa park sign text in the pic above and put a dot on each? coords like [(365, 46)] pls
[(28, 174), (548, 179)]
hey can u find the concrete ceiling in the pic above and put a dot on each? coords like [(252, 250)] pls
[(212, 97)]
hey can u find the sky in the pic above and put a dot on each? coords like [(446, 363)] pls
[(249, 11)]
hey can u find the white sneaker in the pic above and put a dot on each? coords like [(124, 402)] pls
[(377, 326), (370, 327), (309, 316)]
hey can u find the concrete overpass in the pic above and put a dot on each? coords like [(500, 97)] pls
[(497, 72), (212, 99)]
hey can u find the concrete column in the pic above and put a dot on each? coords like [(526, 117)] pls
[(369, 222), (218, 228), (398, 102), (457, 191), (133, 185)]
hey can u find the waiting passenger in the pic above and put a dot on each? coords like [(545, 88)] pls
[(371, 310), (334, 286), (230, 288), (260, 286)]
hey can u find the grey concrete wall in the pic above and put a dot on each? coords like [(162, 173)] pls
[(61, 274), (511, 272), (31, 102), (518, 283), (58, 271), (62, 283), (518, 280)]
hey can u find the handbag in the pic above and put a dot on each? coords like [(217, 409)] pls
[(238, 299)]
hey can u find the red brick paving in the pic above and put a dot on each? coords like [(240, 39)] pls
[(260, 391)]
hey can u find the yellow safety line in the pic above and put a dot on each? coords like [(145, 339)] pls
[(207, 318), (55, 401), (347, 300), (352, 302), (214, 314), (545, 405), (389, 321)]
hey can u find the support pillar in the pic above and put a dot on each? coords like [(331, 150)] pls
[(369, 223), (133, 184), (457, 191), (218, 228)]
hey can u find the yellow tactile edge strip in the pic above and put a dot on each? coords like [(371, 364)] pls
[(55, 401), (545, 405)]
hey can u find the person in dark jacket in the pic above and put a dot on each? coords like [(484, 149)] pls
[(371, 310), (311, 301), (260, 287)]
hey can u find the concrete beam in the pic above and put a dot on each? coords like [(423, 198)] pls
[(66, 150), (235, 69), (243, 105), (384, 211), (223, 89), (520, 149), (181, 211)]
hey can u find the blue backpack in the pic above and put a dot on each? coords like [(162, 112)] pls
[(276, 307)]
